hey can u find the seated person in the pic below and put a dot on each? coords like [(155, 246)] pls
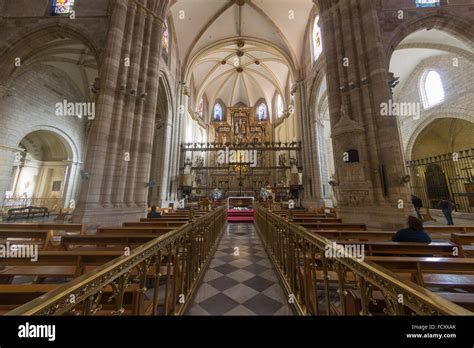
[(414, 233), (153, 214)]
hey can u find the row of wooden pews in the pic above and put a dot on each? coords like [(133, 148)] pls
[(444, 266), (66, 251)]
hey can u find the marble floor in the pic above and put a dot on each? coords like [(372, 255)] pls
[(240, 279)]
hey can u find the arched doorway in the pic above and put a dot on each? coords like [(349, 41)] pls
[(42, 172), (442, 163)]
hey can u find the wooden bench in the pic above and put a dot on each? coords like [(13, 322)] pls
[(27, 212), (306, 220), (160, 230), (158, 223), (449, 272), (353, 302), (449, 229), (109, 241), (59, 229), (374, 248), (465, 243), (42, 238), (370, 235), (56, 264), (168, 219), (333, 226)]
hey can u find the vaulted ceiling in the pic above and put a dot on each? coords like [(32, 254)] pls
[(422, 45), (273, 33)]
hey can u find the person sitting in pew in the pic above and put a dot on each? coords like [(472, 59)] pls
[(414, 233), (153, 214)]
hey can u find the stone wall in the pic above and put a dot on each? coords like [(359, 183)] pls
[(29, 106), (458, 103)]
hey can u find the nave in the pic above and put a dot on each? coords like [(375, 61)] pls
[(195, 263), (240, 279)]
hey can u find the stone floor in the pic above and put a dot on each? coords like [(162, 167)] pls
[(240, 279)]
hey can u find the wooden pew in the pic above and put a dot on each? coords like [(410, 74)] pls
[(94, 241), (375, 248), (333, 226), (451, 272), (56, 264), (57, 228), (160, 230), (175, 224), (464, 241), (354, 304), (449, 229), (42, 238), (370, 235), (299, 220), (15, 295), (184, 219)]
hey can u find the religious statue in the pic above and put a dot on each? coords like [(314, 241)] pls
[(282, 160), (344, 110), (237, 127), (294, 165), (187, 166)]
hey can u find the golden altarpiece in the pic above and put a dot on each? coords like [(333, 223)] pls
[(240, 159)]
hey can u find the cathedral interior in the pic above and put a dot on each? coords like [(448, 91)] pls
[(252, 157)]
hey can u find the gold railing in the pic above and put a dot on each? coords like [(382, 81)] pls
[(318, 283), (174, 263)]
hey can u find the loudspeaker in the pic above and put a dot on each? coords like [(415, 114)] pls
[(294, 192)]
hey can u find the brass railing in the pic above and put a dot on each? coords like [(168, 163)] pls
[(318, 283), (174, 263)]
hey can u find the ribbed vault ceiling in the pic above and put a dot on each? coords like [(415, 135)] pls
[(207, 32)]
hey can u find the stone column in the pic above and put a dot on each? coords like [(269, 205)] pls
[(165, 168), (310, 165), (368, 190), (149, 116), (126, 106)]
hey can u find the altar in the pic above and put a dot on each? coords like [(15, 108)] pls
[(239, 158), (240, 209)]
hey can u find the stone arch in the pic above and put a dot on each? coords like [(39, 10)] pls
[(454, 26), (160, 164), (25, 45), (54, 156), (422, 126)]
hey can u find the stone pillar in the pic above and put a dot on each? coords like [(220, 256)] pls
[(116, 188), (368, 190), (166, 158), (311, 177)]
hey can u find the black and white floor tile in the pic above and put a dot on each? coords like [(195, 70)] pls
[(240, 279)]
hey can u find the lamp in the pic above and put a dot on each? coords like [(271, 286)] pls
[(85, 175), (404, 179)]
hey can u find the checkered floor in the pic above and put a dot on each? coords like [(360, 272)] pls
[(240, 279)]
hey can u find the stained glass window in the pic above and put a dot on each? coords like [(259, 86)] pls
[(200, 109), (62, 7), (317, 41), (262, 112), (165, 41), (280, 106), (218, 112), (432, 90), (427, 3)]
